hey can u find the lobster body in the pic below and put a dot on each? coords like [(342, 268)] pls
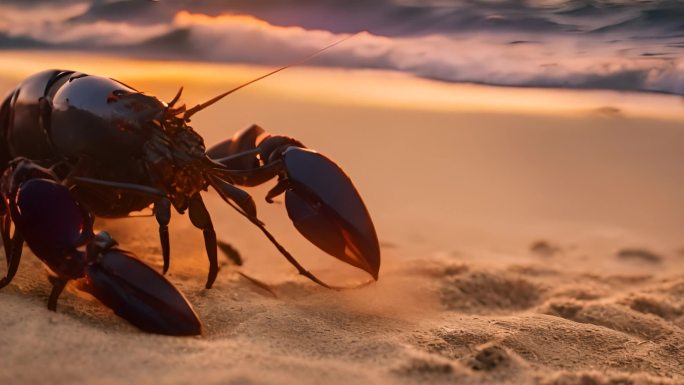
[(21, 128), (78, 123), (99, 148)]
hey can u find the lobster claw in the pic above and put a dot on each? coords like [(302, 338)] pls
[(58, 228), (140, 295), (327, 210), (49, 218), (320, 198)]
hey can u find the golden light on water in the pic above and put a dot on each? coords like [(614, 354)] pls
[(374, 88)]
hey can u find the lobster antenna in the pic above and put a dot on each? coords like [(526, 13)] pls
[(175, 98), (200, 107)]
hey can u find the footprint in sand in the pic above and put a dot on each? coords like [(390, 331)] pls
[(642, 255)]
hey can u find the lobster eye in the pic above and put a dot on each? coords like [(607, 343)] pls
[(115, 95)]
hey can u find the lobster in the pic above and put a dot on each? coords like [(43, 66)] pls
[(101, 148)]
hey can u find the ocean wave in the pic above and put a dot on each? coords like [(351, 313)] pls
[(537, 43)]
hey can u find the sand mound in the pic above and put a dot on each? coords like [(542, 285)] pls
[(485, 292)]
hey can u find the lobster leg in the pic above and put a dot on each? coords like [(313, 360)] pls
[(13, 249), (278, 189), (300, 269), (199, 216), (129, 187), (230, 193), (58, 285), (162, 208), (250, 177), (249, 154), (162, 212), (5, 223), (230, 151)]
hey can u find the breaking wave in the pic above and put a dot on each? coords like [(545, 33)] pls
[(536, 43)]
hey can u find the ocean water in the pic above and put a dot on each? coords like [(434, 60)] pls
[(593, 44)]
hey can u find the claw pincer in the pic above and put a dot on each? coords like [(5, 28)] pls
[(58, 229), (320, 198)]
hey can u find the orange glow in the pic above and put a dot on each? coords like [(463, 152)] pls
[(187, 18), (328, 86)]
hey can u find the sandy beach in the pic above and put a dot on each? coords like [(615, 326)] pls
[(528, 236)]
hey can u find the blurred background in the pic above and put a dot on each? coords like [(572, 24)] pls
[(602, 44)]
